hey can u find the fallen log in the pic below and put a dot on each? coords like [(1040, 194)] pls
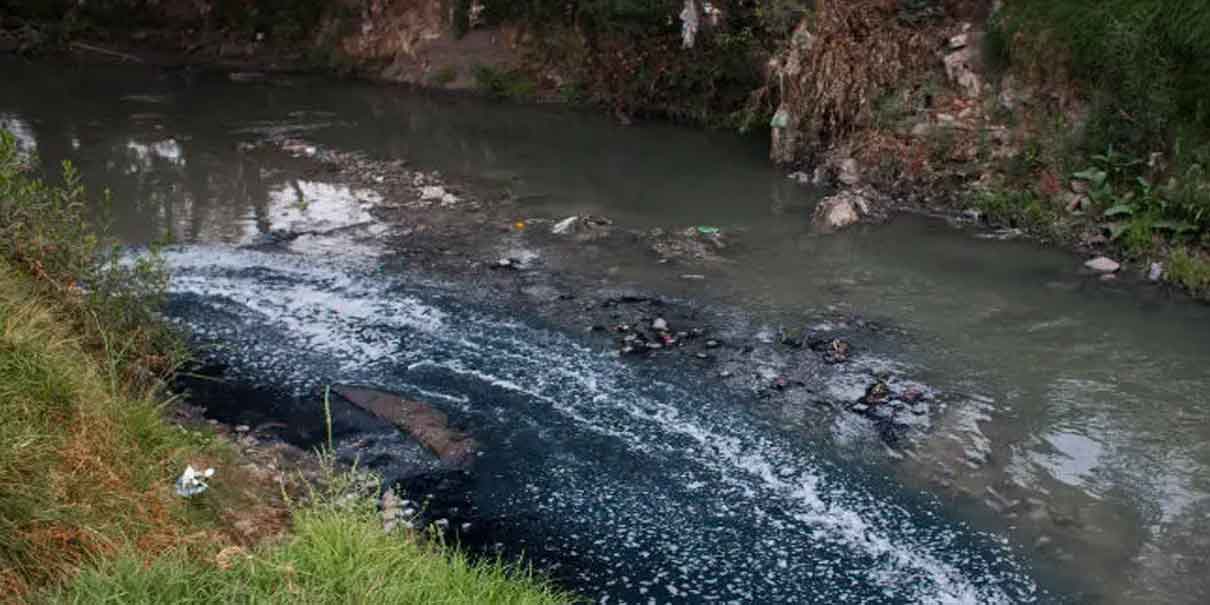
[(426, 424)]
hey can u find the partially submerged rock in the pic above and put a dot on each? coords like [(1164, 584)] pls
[(838, 211), (426, 424), (1103, 264)]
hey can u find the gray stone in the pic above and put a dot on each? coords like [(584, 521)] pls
[(660, 324), (850, 172)]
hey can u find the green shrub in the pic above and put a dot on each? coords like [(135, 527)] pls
[(1146, 62), (1018, 209), (504, 84), (1190, 270), (45, 232)]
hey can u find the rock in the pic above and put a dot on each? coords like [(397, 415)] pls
[(960, 41), (426, 424), (505, 263), (449, 199), (713, 344), (660, 324), (800, 177), (243, 428), (972, 214), (850, 172), (1155, 272), (840, 210), (922, 129), (819, 176), (432, 193), (834, 351), (565, 226), (959, 68), (1103, 264), (877, 393)]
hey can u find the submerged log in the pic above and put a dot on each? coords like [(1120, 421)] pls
[(426, 424)]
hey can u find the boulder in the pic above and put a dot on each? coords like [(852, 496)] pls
[(840, 210), (426, 424), (1103, 264)]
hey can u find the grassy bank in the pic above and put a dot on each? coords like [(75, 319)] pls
[(88, 455), (1118, 127)]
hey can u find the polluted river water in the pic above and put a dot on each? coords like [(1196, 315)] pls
[(1067, 458)]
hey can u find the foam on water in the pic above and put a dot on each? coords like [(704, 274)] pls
[(619, 480)]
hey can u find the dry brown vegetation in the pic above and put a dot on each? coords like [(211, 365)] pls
[(840, 61)]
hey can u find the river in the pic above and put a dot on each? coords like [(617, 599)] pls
[(1066, 457)]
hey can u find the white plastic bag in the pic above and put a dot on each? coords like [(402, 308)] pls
[(192, 482)]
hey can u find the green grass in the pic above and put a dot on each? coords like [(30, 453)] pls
[(1143, 66), (504, 84), (444, 76), (1190, 270), (332, 557), (1147, 62), (1018, 209)]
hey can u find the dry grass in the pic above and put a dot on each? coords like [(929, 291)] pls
[(841, 60), (84, 470)]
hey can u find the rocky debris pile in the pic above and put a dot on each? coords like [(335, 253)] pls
[(645, 337), (894, 408), (703, 243), (400, 186), (834, 350)]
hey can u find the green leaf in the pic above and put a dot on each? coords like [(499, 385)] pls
[(1116, 230), (1095, 176), (1120, 210)]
